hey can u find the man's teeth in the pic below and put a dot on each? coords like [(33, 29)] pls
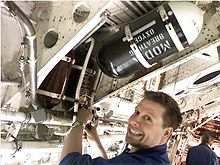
[(135, 132)]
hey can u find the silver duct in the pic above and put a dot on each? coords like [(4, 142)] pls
[(15, 11), (42, 117), (11, 147), (33, 118)]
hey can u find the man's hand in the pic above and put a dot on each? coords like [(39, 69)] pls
[(94, 137), (91, 132), (84, 115)]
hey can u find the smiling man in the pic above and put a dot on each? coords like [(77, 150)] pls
[(149, 129)]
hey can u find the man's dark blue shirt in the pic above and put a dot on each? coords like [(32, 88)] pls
[(151, 156), (201, 155)]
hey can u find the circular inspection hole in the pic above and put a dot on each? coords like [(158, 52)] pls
[(207, 77), (81, 13), (50, 39)]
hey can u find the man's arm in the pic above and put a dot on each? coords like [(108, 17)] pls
[(215, 159), (73, 141), (188, 157), (94, 137)]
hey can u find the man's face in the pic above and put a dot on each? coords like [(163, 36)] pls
[(145, 126)]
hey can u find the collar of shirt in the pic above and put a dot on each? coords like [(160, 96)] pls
[(160, 148), (157, 154), (204, 144)]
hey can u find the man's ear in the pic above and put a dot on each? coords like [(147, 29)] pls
[(210, 143), (167, 134)]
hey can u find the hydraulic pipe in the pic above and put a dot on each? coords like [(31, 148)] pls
[(28, 118), (32, 46), (7, 115), (31, 145), (11, 83)]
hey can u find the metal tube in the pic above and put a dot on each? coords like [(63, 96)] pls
[(22, 117), (95, 85), (141, 6), (25, 22), (11, 83), (206, 121), (32, 47), (59, 121), (7, 115), (32, 42), (134, 7), (76, 104), (6, 145)]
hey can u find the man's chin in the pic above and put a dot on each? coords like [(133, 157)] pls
[(130, 141), (137, 146)]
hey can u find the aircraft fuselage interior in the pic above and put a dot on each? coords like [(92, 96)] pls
[(59, 56)]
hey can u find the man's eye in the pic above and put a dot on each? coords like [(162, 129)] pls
[(147, 118), (136, 112)]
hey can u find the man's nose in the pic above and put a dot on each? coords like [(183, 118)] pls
[(135, 121)]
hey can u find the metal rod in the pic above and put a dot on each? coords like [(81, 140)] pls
[(206, 121), (141, 6), (95, 86), (32, 47), (134, 7), (82, 74), (7, 115), (11, 83), (31, 145), (148, 4)]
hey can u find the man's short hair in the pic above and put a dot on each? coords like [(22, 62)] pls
[(172, 117), (207, 138)]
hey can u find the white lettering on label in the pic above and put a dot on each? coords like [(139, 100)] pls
[(131, 53), (150, 44), (143, 36), (157, 50), (147, 26)]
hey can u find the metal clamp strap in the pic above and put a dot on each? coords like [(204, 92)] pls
[(170, 29), (56, 95), (135, 48), (67, 59)]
